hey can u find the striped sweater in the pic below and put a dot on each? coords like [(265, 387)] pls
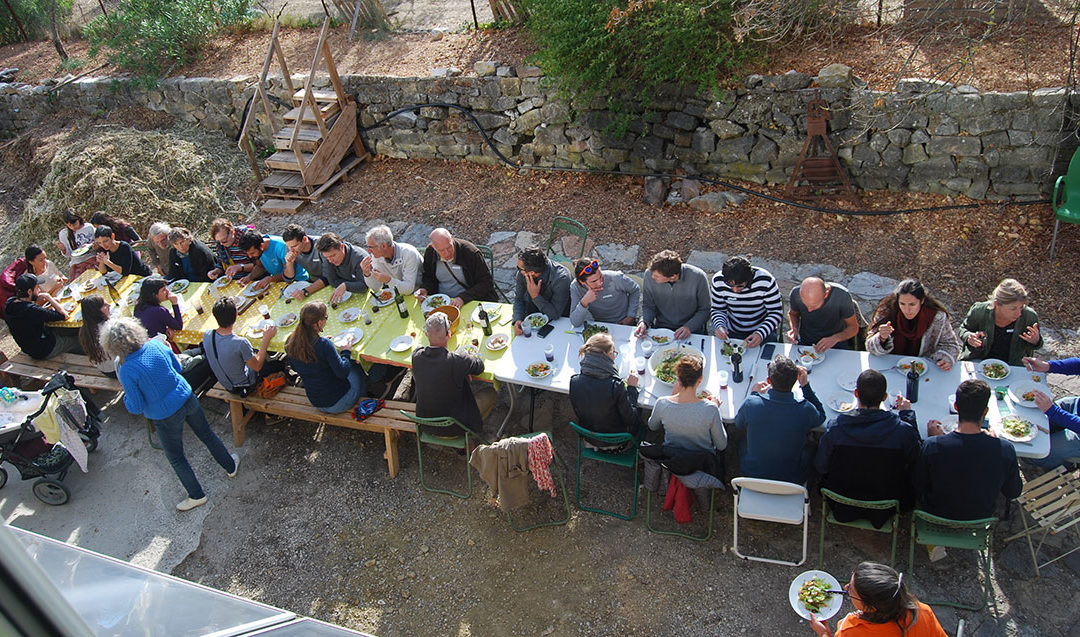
[(758, 308)]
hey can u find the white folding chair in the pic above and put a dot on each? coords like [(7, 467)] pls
[(1052, 501), (770, 501)]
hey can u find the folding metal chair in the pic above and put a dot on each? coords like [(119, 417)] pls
[(1052, 501), (976, 535), (827, 517), (459, 441), (770, 501), (628, 458)]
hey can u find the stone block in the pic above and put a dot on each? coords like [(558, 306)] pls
[(899, 136), (681, 121), (527, 122), (485, 68), (920, 137), (489, 121), (790, 81), (726, 129), (922, 85), (914, 153), (654, 191), (977, 189), (1010, 189), (719, 109), (709, 202), (682, 138), (764, 151), (551, 134), (529, 71), (650, 147), (954, 145), (449, 71), (555, 112), (703, 141), (733, 150), (959, 184), (835, 76), (1020, 138), (617, 254), (687, 154), (504, 71)]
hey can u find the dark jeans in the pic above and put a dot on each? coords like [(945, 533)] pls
[(171, 434)]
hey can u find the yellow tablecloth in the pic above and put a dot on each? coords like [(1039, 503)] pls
[(79, 290), (204, 295)]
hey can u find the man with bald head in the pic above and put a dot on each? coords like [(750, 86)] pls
[(455, 267), (822, 314)]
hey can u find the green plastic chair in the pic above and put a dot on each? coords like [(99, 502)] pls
[(892, 526), (976, 535), (568, 226), (628, 458), (489, 254), (1068, 210), (559, 484), (455, 442), (689, 536)]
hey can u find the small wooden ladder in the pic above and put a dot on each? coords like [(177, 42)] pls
[(317, 144)]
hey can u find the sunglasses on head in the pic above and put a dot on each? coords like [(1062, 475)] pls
[(594, 266)]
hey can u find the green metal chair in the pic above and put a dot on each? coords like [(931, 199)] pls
[(453, 442), (489, 254), (689, 536), (568, 226), (974, 535), (628, 458), (1068, 210), (559, 484), (892, 526)]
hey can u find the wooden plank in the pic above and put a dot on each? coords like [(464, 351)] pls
[(283, 180), (44, 374), (282, 206), (326, 110), (331, 151), (286, 160), (319, 95), (345, 168), (331, 69)]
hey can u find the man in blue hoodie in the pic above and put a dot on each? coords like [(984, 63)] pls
[(1063, 414), (869, 453)]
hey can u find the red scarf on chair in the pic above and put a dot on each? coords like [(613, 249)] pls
[(907, 335)]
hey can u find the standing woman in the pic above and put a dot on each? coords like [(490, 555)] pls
[(331, 381), (1003, 327), (122, 228), (189, 258), (154, 387), (76, 234), (883, 606), (601, 401), (95, 313), (911, 322)]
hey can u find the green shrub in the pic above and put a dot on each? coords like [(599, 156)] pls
[(150, 37), (596, 48), (34, 16)]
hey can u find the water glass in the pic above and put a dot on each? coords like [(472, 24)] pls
[(723, 379), (526, 329), (640, 363), (647, 348), (549, 353)]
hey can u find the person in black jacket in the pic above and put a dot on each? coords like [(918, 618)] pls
[(456, 268), (189, 258), (117, 256), (26, 320), (601, 401)]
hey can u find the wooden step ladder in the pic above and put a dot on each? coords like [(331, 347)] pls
[(318, 143)]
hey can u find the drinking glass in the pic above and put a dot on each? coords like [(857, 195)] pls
[(549, 353)]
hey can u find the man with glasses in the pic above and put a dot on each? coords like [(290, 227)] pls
[(267, 253), (675, 296), (302, 256), (342, 268), (746, 303), (232, 261), (606, 296), (543, 286), (456, 268), (390, 263)]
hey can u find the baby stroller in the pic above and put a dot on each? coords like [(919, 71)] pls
[(22, 445)]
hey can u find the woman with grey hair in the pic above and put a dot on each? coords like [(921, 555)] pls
[(153, 387), (189, 258), (1002, 327), (158, 238)]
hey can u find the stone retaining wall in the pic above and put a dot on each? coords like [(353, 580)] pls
[(927, 136)]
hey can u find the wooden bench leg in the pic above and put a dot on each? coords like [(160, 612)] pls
[(391, 453), (239, 422)]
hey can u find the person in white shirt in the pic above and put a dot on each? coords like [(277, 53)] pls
[(395, 264)]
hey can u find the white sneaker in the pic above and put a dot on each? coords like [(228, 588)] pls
[(936, 553), (236, 465), (190, 503)]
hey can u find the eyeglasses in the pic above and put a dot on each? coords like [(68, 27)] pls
[(589, 269)]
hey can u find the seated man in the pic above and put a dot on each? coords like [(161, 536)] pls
[(268, 255), (746, 303), (117, 256), (441, 381), (302, 256), (231, 260), (342, 265), (456, 268), (393, 264), (674, 295), (959, 475), (542, 286), (236, 366), (822, 314), (869, 453), (1064, 415), (607, 296), (776, 424), (26, 320)]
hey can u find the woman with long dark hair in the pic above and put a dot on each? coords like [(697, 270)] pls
[(148, 309), (75, 234), (883, 606), (911, 322), (95, 312), (122, 228), (332, 383)]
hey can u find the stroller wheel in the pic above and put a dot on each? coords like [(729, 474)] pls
[(3, 477), (51, 491), (89, 442)]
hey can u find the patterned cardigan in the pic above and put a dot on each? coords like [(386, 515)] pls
[(939, 343)]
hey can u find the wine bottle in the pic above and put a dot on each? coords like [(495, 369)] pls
[(485, 320), (399, 301)]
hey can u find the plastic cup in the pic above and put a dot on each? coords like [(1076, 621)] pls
[(647, 348), (526, 329), (549, 353), (723, 379), (640, 363)]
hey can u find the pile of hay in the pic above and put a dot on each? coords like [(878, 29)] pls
[(182, 176)]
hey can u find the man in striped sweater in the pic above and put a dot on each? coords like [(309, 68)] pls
[(746, 303)]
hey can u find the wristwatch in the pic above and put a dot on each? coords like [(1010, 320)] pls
[(306, 293)]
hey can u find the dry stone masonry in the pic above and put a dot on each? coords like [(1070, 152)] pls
[(926, 136)]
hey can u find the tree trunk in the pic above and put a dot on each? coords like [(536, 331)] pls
[(18, 22), (56, 33)]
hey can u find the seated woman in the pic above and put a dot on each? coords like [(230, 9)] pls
[(122, 228), (76, 234), (332, 383), (189, 258), (1002, 327), (155, 318), (95, 312), (911, 322), (33, 262), (883, 606), (154, 387), (602, 402), (690, 424)]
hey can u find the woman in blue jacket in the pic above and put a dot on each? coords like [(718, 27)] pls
[(153, 387), (331, 381)]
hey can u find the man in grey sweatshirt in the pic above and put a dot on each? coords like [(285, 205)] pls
[(605, 296), (342, 267), (675, 296)]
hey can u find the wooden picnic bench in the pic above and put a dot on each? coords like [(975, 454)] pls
[(292, 402), (85, 373)]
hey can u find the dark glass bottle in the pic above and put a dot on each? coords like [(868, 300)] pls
[(485, 320), (912, 385), (399, 301), (736, 367)]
